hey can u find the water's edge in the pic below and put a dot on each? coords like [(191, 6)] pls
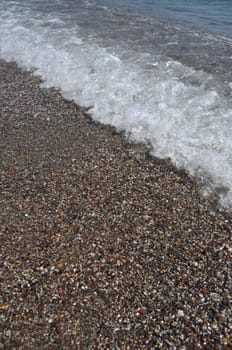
[(145, 148)]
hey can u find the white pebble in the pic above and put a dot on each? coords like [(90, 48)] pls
[(180, 313)]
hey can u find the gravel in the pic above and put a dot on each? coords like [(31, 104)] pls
[(101, 245)]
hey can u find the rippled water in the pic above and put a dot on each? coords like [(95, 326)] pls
[(161, 72), (213, 16)]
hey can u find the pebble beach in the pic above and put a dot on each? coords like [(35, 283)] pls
[(101, 245)]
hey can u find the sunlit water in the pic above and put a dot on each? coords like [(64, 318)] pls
[(161, 72)]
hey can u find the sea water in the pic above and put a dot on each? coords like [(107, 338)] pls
[(160, 70)]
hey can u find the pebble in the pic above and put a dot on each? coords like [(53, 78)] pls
[(180, 313), (102, 246)]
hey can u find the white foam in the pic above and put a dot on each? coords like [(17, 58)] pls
[(151, 99)]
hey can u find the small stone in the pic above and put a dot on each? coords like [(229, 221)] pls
[(143, 311), (180, 313), (204, 291), (226, 340), (4, 307), (214, 325)]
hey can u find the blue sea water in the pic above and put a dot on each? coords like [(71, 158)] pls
[(159, 69), (213, 16)]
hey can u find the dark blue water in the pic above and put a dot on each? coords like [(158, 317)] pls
[(213, 16)]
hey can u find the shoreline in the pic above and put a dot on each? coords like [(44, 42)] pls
[(103, 246)]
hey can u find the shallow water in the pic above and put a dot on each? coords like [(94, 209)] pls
[(145, 68)]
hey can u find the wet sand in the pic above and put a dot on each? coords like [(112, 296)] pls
[(101, 246)]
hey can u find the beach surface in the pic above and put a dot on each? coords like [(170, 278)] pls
[(101, 245)]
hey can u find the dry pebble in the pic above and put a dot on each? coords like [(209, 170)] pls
[(102, 246)]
